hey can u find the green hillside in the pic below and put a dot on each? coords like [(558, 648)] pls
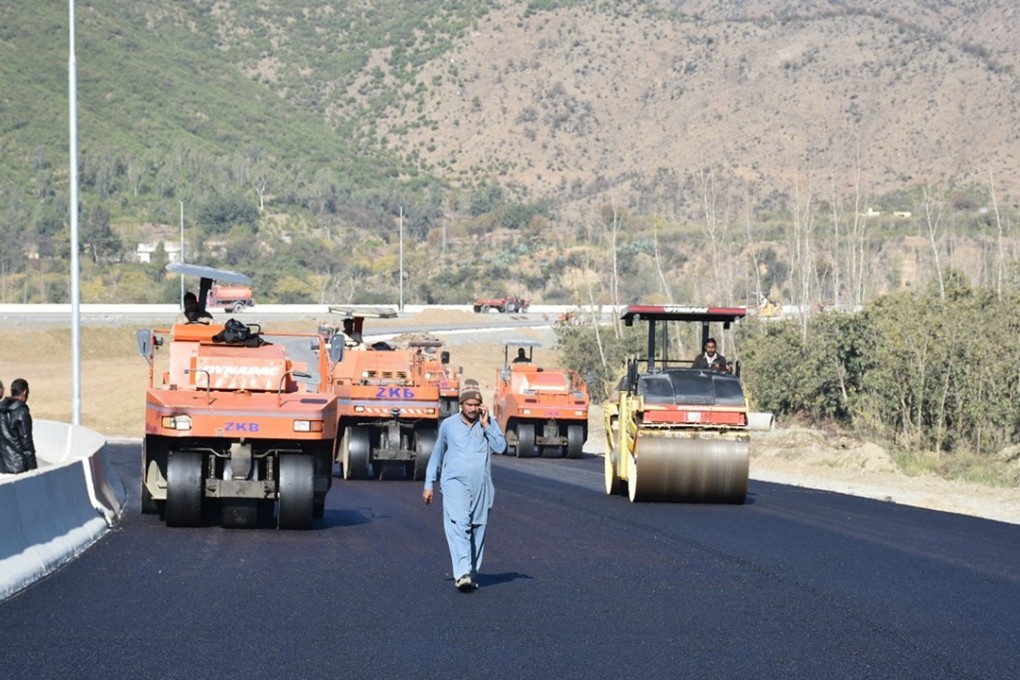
[(567, 151)]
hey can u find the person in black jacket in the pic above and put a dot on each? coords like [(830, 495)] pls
[(17, 448), (710, 359)]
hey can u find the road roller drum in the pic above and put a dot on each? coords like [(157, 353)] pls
[(666, 467)]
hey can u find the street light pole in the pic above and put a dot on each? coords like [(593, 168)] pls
[(72, 97), (401, 305), (180, 258)]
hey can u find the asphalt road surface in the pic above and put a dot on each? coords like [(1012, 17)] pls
[(797, 583)]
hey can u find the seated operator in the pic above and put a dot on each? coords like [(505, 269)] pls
[(710, 358), (192, 313), (352, 335), (522, 357)]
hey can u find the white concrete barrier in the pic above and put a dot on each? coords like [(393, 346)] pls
[(761, 421), (50, 515)]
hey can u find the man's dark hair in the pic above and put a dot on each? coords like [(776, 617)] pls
[(19, 387), (190, 296), (712, 340)]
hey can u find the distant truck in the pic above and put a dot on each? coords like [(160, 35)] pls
[(231, 298), (504, 305)]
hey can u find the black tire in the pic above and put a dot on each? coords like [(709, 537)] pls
[(526, 441), (485, 309), (477, 308), (355, 452), (319, 507), (511, 307), (184, 489), (424, 441), (238, 307), (575, 441), (296, 492)]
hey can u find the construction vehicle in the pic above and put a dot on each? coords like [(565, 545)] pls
[(234, 425), (387, 406), (503, 305), (231, 298), (446, 378), (676, 433), (540, 410)]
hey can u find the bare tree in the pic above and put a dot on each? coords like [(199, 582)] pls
[(611, 224), (754, 248), (715, 225), (261, 184), (1000, 268), (658, 263), (801, 252), (836, 247), (933, 222), (857, 240)]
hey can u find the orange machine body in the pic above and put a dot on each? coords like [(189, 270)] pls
[(542, 409), (388, 412), (235, 411)]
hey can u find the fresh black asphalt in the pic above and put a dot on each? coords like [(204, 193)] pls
[(794, 584)]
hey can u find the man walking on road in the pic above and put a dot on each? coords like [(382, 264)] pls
[(17, 449), (461, 461)]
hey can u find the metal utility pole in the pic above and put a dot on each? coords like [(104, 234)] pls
[(180, 258), (400, 307), (72, 97)]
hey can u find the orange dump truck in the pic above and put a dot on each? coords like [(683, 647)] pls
[(232, 298), (234, 426)]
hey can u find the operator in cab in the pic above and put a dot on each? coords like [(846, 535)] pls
[(710, 359), (192, 313)]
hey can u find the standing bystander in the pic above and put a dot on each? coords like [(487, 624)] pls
[(17, 449), (461, 461)]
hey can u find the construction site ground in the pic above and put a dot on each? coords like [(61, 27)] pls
[(113, 380)]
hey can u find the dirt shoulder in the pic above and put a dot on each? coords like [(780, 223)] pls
[(814, 459)]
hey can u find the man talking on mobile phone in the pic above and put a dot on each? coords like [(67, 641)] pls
[(461, 462)]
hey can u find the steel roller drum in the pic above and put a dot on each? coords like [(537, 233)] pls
[(689, 470)]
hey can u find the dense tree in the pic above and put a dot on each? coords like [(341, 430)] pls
[(95, 235)]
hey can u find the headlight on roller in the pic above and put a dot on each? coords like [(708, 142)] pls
[(176, 422), (308, 426)]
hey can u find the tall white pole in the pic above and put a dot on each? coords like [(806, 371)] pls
[(401, 306), (72, 97), (180, 258)]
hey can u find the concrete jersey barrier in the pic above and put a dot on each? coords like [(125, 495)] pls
[(50, 515)]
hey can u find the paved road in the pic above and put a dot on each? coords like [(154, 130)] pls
[(795, 584)]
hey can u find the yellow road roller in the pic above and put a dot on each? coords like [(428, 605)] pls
[(676, 429)]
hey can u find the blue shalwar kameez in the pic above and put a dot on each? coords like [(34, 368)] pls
[(461, 461)]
